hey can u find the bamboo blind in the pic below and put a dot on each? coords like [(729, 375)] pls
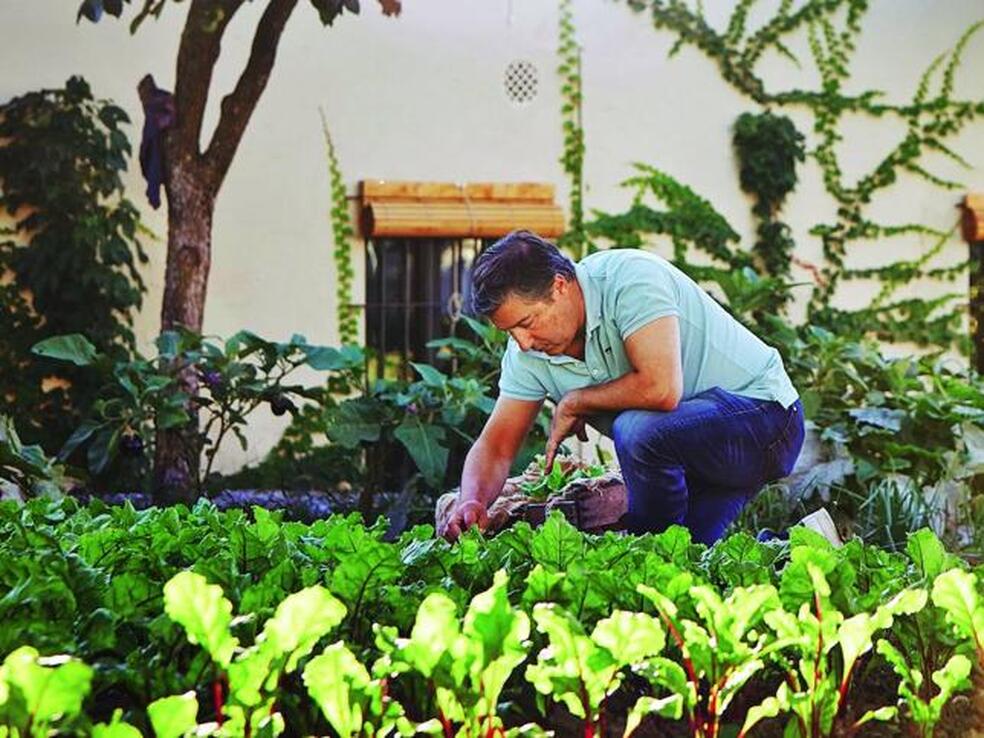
[(447, 210)]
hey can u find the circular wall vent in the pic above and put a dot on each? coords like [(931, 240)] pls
[(521, 82)]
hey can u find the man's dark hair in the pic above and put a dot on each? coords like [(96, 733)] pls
[(522, 264)]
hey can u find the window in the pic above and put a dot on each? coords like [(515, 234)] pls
[(415, 290)]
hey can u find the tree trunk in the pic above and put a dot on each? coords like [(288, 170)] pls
[(192, 180), (190, 208)]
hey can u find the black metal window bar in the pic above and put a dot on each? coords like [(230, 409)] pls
[(416, 290)]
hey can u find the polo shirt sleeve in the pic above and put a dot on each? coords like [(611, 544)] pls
[(644, 291), (516, 379)]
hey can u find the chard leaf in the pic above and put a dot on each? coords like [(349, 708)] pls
[(955, 592), (341, 687), (173, 717), (927, 553), (557, 543), (53, 686), (669, 707), (204, 612), (630, 637)]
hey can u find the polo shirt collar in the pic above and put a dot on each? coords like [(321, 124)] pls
[(592, 299)]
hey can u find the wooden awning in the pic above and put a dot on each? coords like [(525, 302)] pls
[(447, 210)]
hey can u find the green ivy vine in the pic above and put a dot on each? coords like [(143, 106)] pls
[(768, 147), (70, 256), (569, 69), (930, 118), (343, 232)]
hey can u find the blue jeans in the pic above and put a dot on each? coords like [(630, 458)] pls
[(698, 465)]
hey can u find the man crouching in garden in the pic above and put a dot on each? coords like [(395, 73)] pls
[(701, 411)]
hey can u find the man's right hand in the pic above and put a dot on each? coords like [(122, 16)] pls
[(464, 515)]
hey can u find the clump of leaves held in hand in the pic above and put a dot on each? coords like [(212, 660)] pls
[(562, 473)]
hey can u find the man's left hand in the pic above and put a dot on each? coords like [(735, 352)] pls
[(565, 422)]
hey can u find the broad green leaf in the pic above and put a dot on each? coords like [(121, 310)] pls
[(630, 637), (75, 348), (300, 621), (768, 708), (955, 592), (882, 713), (432, 377), (557, 543), (353, 422), (339, 684), (434, 632), (423, 442), (927, 553), (669, 707), (173, 717), (501, 633), (204, 612), (53, 686), (116, 728)]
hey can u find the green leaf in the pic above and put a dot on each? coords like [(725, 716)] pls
[(955, 592), (424, 444), (630, 637), (75, 348), (432, 377), (340, 685), (300, 621), (205, 613), (669, 707), (115, 729), (557, 543), (927, 553), (353, 422), (173, 717), (53, 686), (102, 450)]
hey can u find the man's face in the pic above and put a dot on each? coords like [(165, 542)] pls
[(550, 326)]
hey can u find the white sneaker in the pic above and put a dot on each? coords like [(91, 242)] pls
[(821, 522)]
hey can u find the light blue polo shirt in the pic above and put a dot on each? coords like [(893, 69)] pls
[(624, 289)]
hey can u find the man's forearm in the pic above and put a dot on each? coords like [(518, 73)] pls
[(484, 474), (632, 391)]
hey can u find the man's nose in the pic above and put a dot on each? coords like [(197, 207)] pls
[(523, 339)]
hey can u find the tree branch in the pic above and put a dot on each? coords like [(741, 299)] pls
[(238, 106), (197, 54)]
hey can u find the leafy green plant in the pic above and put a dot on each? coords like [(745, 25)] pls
[(581, 671), (37, 693), (768, 147), (144, 397), (73, 252), (31, 472), (817, 687), (560, 475), (926, 713), (467, 663), (299, 622), (724, 651)]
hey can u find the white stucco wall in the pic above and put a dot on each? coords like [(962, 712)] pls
[(421, 97)]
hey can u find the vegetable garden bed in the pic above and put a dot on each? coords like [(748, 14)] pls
[(326, 629)]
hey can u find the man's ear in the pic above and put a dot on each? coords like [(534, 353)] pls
[(560, 285)]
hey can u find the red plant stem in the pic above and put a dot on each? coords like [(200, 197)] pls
[(217, 698), (588, 717), (815, 716), (446, 724), (695, 719)]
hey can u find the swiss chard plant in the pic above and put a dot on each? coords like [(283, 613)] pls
[(723, 651), (252, 673), (580, 671), (465, 662)]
